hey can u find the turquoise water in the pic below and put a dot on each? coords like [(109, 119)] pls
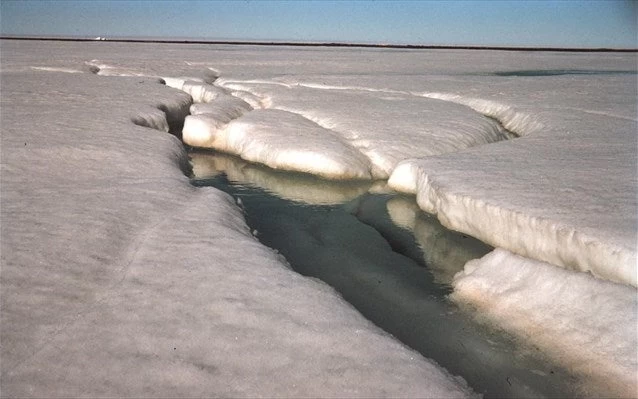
[(390, 261)]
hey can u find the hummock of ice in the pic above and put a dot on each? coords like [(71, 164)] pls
[(280, 140), (552, 309), (119, 278), (564, 194)]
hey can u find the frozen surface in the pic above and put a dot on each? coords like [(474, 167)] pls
[(387, 127), (565, 192), (601, 348), (374, 264), (121, 279), (280, 140)]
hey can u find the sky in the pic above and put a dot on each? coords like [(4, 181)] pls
[(496, 23)]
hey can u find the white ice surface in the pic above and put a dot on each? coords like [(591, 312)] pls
[(386, 127), (121, 279), (280, 140), (586, 325), (563, 193)]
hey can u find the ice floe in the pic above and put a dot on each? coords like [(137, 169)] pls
[(386, 127)]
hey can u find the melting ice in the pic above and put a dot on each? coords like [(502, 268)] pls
[(109, 254)]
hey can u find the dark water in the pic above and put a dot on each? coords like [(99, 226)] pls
[(389, 260), (558, 72)]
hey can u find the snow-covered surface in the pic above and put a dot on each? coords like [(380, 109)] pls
[(551, 308), (119, 278), (564, 193), (280, 140), (386, 127)]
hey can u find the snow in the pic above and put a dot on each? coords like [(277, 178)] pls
[(552, 309), (387, 127), (119, 278), (280, 140), (568, 203), (99, 223)]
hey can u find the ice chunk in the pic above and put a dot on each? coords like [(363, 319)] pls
[(253, 100), (586, 324), (280, 140), (512, 120), (543, 210), (178, 82)]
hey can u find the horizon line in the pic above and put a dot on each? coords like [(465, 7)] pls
[(318, 44)]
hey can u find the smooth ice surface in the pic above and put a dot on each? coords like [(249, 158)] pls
[(552, 309), (119, 278)]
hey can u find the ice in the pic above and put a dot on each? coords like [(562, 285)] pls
[(566, 203), (280, 140), (202, 92), (119, 278), (225, 107), (587, 325), (386, 127), (86, 194)]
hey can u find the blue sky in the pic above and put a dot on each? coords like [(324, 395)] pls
[(519, 23)]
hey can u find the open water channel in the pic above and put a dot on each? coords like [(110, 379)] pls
[(391, 261)]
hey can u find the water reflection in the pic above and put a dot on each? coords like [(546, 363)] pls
[(296, 187), (445, 252), (364, 246)]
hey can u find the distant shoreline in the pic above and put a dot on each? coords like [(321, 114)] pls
[(326, 44)]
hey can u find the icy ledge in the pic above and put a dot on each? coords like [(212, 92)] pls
[(519, 232), (584, 324)]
